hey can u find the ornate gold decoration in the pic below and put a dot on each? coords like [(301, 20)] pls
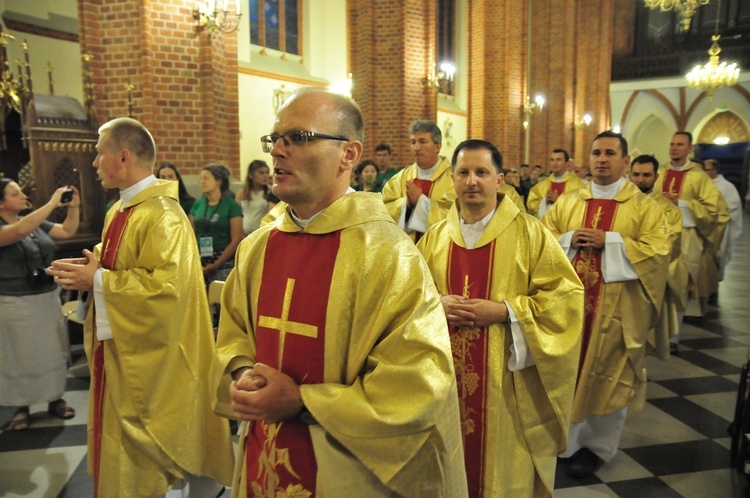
[(713, 74), (269, 459), (686, 8)]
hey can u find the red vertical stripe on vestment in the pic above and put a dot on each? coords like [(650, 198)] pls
[(290, 336), (110, 245), (470, 275)]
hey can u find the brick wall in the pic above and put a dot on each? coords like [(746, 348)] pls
[(185, 84), (392, 47), (569, 64)]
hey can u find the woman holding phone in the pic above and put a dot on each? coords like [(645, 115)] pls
[(33, 339)]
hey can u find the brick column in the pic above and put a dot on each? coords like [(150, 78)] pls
[(185, 84), (571, 44), (497, 52), (392, 47)]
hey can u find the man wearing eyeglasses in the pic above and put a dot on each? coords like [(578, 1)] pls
[(421, 194), (332, 345)]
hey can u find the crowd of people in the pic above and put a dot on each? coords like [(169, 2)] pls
[(451, 328)]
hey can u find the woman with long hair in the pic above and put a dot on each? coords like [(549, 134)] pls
[(33, 339), (217, 221), (254, 196), (168, 171)]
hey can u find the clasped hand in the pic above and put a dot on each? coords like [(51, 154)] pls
[(413, 193), (75, 273), (589, 237), (464, 312), (265, 393)]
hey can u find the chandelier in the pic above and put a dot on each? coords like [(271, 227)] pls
[(686, 8), (713, 74), (213, 16)]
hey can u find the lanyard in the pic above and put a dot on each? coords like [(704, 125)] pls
[(206, 218)]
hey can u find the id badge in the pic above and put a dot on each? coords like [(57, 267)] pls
[(206, 245)]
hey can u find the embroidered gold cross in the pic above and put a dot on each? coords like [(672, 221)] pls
[(467, 286), (597, 217), (672, 190), (283, 325)]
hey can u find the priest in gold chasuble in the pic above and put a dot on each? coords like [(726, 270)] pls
[(332, 345), (544, 194), (148, 336), (644, 173), (688, 187), (618, 240), (514, 306), (420, 195)]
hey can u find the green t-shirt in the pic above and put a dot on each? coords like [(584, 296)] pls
[(213, 221), (383, 178)]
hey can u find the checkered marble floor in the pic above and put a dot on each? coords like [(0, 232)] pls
[(677, 446)]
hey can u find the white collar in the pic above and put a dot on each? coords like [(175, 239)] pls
[(607, 191), (559, 179), (303, 223), (129, 193), (471, 232), (426, 174)]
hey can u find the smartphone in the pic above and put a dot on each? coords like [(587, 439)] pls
[(66, 196)]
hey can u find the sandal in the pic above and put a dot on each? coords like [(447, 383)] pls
[(22, 422), (61, 409)]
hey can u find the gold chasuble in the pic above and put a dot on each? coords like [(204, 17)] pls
[(613, 373), (693, 186), (508, 191), (439, 188), (514, 422), (539, 191), (150, 420), (346, 307), (677, 284)]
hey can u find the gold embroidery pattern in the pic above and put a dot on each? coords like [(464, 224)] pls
[(267, 483), (466, 378)]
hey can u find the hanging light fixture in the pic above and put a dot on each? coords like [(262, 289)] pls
[(686, 8), (713, 74)]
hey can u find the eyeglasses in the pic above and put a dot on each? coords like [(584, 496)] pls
[(297, 138)]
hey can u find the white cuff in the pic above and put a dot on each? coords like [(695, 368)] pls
[(566, 242), (687, 216), (103, 329), (542, 208), (520, 356), (402, 217), (616, 266), (418, 220)]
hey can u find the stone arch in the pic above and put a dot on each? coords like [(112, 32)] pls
[(723, 123)]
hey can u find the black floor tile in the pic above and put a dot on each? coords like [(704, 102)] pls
[(43, 437), (709, 363), (694, 416), (715, 342), (77, 383), (563, 479), (680, 458), (651, 487), (698, 385)]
